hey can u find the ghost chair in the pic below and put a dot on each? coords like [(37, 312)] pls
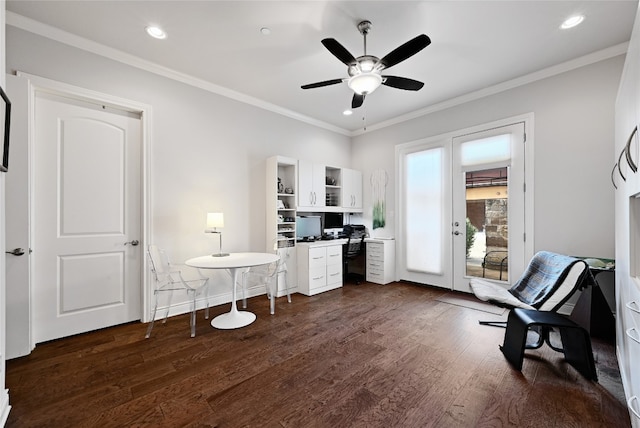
[(269, 276), (169, 278)]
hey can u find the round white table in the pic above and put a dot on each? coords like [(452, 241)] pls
[(234, 261)]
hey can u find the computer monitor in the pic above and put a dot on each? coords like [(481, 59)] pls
[(308, 227), (333, 221)]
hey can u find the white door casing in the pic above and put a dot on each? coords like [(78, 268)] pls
[(78, 220)]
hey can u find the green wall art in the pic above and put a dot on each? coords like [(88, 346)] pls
[(379, 181)]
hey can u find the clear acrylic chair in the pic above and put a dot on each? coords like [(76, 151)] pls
[(269, 276), (168, 278)]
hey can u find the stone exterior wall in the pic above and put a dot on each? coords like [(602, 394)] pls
[(496, 224)]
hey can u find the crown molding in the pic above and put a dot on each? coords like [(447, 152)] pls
[(573, 64), (53, 33)]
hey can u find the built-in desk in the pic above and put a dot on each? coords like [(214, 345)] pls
[(319, 266)]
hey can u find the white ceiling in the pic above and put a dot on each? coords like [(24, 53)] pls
[(475, 44)]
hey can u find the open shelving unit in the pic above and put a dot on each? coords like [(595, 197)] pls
[(281, 201)]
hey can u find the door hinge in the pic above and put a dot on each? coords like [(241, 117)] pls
[(524, 237), (524, 187), (524, 139)]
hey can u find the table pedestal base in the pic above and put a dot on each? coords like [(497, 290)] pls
[(232, 320)]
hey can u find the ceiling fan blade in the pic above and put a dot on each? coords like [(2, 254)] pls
[(321, 84), (357, 100), (402, 83), (405, 51), (339, 51)]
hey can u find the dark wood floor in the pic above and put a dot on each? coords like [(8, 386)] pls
[(361, 356)]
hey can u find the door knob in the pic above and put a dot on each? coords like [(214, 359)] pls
[(133, 243), (456, 233), (16, 251)]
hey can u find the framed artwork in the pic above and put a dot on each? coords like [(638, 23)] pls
[(5, 115)]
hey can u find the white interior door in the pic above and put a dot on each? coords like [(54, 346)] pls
[(86, 217)]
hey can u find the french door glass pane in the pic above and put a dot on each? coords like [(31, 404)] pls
[(487, 223), (424, 211), (492, 149)]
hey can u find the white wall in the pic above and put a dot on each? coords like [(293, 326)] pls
[(574, 130), (208, 152)]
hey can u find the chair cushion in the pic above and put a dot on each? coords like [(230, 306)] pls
[(496, 294)]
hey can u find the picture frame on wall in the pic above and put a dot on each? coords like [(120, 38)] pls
[(5, 116)]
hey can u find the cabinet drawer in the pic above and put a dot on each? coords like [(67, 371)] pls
[(375, 249), (334, 257), (375, 264), (334, 273), (317, 257), (334, 251), (317, 277), (374, 276), (375, 271)]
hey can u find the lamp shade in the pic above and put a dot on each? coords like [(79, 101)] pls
[(215, 220), (365, 83)]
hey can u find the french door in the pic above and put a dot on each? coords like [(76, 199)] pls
[(462, 206)]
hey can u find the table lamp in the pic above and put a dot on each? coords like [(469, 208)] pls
[(215, 221)]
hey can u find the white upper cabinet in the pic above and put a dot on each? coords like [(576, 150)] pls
[(311, 186), (351, 190)]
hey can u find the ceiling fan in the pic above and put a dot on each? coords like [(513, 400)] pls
[(365, 72)]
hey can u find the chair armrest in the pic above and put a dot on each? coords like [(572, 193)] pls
[(186, 274)]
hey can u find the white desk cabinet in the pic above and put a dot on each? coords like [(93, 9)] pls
[(381, 256), (319, 266)]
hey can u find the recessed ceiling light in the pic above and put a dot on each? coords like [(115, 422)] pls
[(156, 32), (572, 21), (347, 112), (265, 31)]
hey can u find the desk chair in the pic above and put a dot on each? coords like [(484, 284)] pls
[(354, 249), (168, 278)]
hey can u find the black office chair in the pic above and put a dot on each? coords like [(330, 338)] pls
[(354, 254)]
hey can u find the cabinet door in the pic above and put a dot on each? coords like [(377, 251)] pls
[(311, 182), (334, 255), (317, 257), (351, 189), (305, 184)]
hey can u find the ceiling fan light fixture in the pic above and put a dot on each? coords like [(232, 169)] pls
[(365, 83)]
